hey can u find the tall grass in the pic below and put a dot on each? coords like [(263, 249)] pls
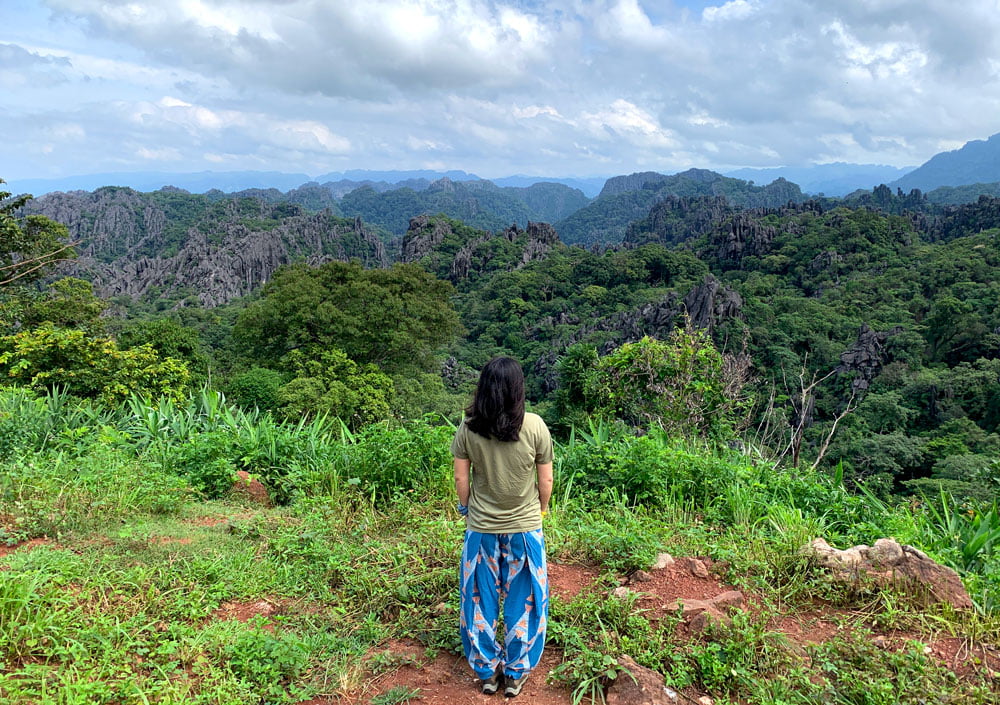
[(203, 442)]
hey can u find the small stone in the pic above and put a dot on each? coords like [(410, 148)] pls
[(697, 568), (688, 607), (709, 619), (705, 700), (731, 599), (663, 560), (641, 576), (928, 651), (638, 685), (621, 593)]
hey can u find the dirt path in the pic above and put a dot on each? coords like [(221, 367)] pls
[(447, 680)]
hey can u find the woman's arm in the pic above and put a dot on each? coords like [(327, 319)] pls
[(544, 485), (462, 466)]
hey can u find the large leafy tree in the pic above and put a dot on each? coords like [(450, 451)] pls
[(336, 386), (394, 318), (87, 366), (29, 246)]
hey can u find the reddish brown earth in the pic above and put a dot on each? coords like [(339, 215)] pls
[(250, 489), (448, 680), (677, 581), (568, 581), (244, 611), (813, 627), (209, 520), (24, 545)]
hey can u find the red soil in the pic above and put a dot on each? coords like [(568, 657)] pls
[(448, 680), (240, 611), (24, 545)]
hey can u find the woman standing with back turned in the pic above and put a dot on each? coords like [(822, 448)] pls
[(503, 476)]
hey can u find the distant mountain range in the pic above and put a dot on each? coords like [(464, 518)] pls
[(978, 162), (837, 179), (233, 181)]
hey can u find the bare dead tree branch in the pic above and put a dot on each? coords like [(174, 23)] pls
[(833, 429), (39, 258), (33, 269)]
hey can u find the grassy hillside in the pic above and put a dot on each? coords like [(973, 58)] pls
[(150, 585)]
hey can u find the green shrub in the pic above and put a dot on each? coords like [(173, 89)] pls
[(267, 661), (88, 366), (257, 388)]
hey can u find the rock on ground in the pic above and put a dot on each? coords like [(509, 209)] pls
[(638, 685), (892, 565)]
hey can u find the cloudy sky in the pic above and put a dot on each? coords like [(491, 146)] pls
[(561, 88)]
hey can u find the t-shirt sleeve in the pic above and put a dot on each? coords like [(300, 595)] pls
[(543, 445), (458, 448)]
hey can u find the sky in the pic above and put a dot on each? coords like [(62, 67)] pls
[(561, 88)]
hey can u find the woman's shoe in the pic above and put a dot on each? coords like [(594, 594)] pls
[(514, 686), (492, 684)]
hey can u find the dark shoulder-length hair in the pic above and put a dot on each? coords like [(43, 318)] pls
[(497, 408)]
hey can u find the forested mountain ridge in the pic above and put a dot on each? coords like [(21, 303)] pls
[(977, 161), (480, 204), (628, 198)]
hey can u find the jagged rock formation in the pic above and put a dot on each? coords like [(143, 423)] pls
[(542, 237), (865, 358), (709, 302), (241, 263), (745, 237), (631, 182), (135, 245), (743, 234), (706, 305), (459, 253), (677, 219), (423, 236), (628, 198)]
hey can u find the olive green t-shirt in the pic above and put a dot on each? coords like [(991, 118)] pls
[(503, 496)]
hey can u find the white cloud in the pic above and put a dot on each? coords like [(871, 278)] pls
[(498, 86), (164, 154), (730, 12), (631, 122)]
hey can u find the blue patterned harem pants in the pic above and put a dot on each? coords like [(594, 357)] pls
[(512, 566)]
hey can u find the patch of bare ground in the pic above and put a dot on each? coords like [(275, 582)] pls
[(245, 610), (161, 540), (23, 546), (447, 680), (567, 580), (208, 521), (809, 627)]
